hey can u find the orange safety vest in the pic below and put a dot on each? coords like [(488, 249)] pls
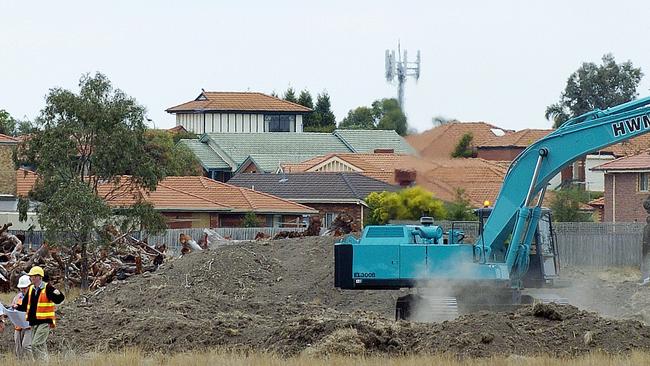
[(44, 308)]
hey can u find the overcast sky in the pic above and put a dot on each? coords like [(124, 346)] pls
[(501, 62)]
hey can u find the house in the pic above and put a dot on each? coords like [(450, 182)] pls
[(7, 170), (627, 184), (440, 142), (507, 147), (238, 112), (329, 193), (198, 202), (478, 178), (223, 154)]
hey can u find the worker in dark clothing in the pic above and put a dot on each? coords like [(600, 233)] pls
[(39, 306)]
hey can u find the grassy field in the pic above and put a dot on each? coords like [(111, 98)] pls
[(235, 359)]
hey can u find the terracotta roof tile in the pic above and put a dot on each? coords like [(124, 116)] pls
[(521, 138), (187, 193), (639, 161), (439, 142), (598, 202), (238, 101), (630, 147), (25, 180)]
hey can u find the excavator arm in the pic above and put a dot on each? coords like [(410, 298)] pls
[(509, 230)]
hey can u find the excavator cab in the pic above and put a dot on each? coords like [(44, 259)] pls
[(544, 267)]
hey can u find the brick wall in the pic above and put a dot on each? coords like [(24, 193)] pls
[(500, 153), (352, 209), (7, 171), (626, 202)]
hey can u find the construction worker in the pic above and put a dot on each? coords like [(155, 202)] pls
[(22, 336), (39, 306)]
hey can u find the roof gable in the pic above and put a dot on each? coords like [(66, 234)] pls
[(238, 102)]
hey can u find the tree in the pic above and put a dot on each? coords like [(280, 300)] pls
[(305, 100), (250, 220), (566, 205), (595, 86), (177, 159), (290, 95), (464, 149), (323, 115), (95, 136), (7, 123), (384, 114), (361, 118), (460, 208), (392, 117), (407, 204)]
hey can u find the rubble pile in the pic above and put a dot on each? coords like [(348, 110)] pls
[(122, 258)]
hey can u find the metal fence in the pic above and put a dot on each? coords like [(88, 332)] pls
[(580, 243)]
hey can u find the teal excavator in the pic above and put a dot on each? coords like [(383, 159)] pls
[(515, 248)]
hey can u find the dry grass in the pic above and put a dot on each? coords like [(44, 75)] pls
[(133, 357), (6, 297)]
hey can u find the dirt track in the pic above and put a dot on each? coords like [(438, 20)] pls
[(279, 296)]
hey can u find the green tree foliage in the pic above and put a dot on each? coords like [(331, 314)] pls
[(460, 208), (290, 95), (7, 123), (384, 114), (71, 215), (250, 220), (566, 205), (464, 149), (392, 117), (407, 204), (595, 86), (177, 159), (361, 118), (306, 100), (87, 138), (323, 116)]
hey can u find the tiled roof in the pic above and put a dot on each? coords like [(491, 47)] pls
[(4, 139), (630, 147), (238, 101), (639, 161), (177, 129), (481, 179), (269, 149), (205, 155), (368, 140), (521, 138), (189, 193), (439, 142), (25, 180), (304, 187)]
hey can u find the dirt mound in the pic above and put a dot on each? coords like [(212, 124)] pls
[(279, 296)]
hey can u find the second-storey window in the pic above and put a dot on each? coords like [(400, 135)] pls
[(280, 122)]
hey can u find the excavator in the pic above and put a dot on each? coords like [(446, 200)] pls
[(515, 251)]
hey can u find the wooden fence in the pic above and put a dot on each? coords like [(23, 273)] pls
[(579, 243)]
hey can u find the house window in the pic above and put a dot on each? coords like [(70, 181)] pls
[(329, 218), (643, 182), (280, 122)]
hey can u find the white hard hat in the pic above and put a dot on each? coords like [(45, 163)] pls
[(24, 281)]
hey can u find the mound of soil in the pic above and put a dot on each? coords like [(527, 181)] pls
[(279, 296)]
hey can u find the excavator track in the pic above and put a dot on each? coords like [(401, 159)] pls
[(426, 308)]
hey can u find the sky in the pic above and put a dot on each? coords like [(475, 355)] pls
[(496, 61)]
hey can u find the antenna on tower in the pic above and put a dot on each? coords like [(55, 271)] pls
[(399, 69)]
